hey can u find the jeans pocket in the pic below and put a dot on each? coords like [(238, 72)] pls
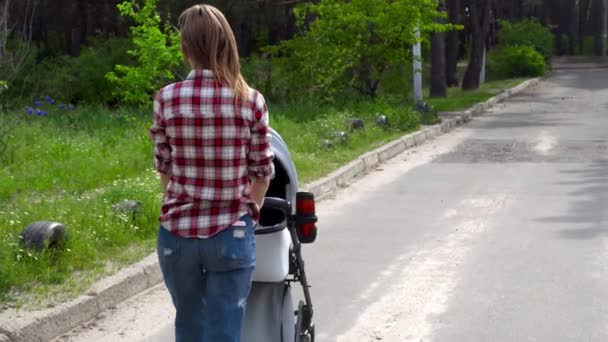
[(236, 246), (167, 247)]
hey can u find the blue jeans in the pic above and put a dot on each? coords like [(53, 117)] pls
[(209, 281)]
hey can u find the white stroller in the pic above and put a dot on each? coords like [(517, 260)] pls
[(270, 315)]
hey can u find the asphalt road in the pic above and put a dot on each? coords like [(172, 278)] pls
[(494, 232)]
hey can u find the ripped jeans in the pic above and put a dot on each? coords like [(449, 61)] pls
[(209, 281)]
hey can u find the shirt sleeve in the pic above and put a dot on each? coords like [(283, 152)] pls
[(260, 157), (162, 149)]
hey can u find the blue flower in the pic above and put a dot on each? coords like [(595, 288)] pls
[(70, 107), (44, 113), (63, 106), (37, 103), (38, 112), (29, 110), (49, 100)]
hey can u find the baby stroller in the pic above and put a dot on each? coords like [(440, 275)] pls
[(287, 221)]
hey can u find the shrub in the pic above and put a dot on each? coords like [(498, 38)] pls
[(269, 76), (156, 50), (517, 61), (527, 33), (82, 78), (74, 79), (589, 46)]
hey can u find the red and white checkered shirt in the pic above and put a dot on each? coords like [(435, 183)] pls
[(211, 147)]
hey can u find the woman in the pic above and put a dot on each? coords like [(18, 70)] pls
[(212, 149)]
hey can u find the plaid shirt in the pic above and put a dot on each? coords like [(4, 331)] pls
[(211, 147)]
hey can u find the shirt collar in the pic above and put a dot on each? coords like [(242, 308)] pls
[(200, 73)]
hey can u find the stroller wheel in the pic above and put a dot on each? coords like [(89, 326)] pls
[(300, 323), (305, 330)]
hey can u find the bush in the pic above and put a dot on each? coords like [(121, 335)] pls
[(589, 46), (517, 61), (82, 79), (74, 79), (527, 33), (269, 76)]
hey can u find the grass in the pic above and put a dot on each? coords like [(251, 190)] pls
[(71, 167), (458, 99), (73, 152)]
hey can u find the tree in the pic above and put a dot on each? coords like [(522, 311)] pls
[(583, 22), (13, 59), (452, 43), (479, 24), (157, 51), (353, 43), (438, 62), (598, 12)]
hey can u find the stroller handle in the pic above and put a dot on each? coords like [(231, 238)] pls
[(277, 204)]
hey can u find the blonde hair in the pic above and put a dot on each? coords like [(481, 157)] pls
[(209, 41)]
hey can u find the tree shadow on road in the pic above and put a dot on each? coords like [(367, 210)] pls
[(590, 205)]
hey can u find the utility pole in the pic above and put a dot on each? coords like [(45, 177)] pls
[(417, 51)]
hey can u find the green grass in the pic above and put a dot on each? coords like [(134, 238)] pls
[(72, 167), (73, 152), (306, 128), (458, 99)]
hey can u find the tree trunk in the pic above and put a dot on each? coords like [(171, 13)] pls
[(569, 21), (452, 44), (480, 12), (438, 66), (439, 86), (583, 20), (598, 13)]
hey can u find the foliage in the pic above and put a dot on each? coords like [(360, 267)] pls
[(157, 52), (7, 125), (351, 43), (528, 33), (428, 114), (78, 79), (268, 76), (82, 79), (588, 46), (517, 61)]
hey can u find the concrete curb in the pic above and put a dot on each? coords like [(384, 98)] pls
[(44, 325), (369, 161)]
